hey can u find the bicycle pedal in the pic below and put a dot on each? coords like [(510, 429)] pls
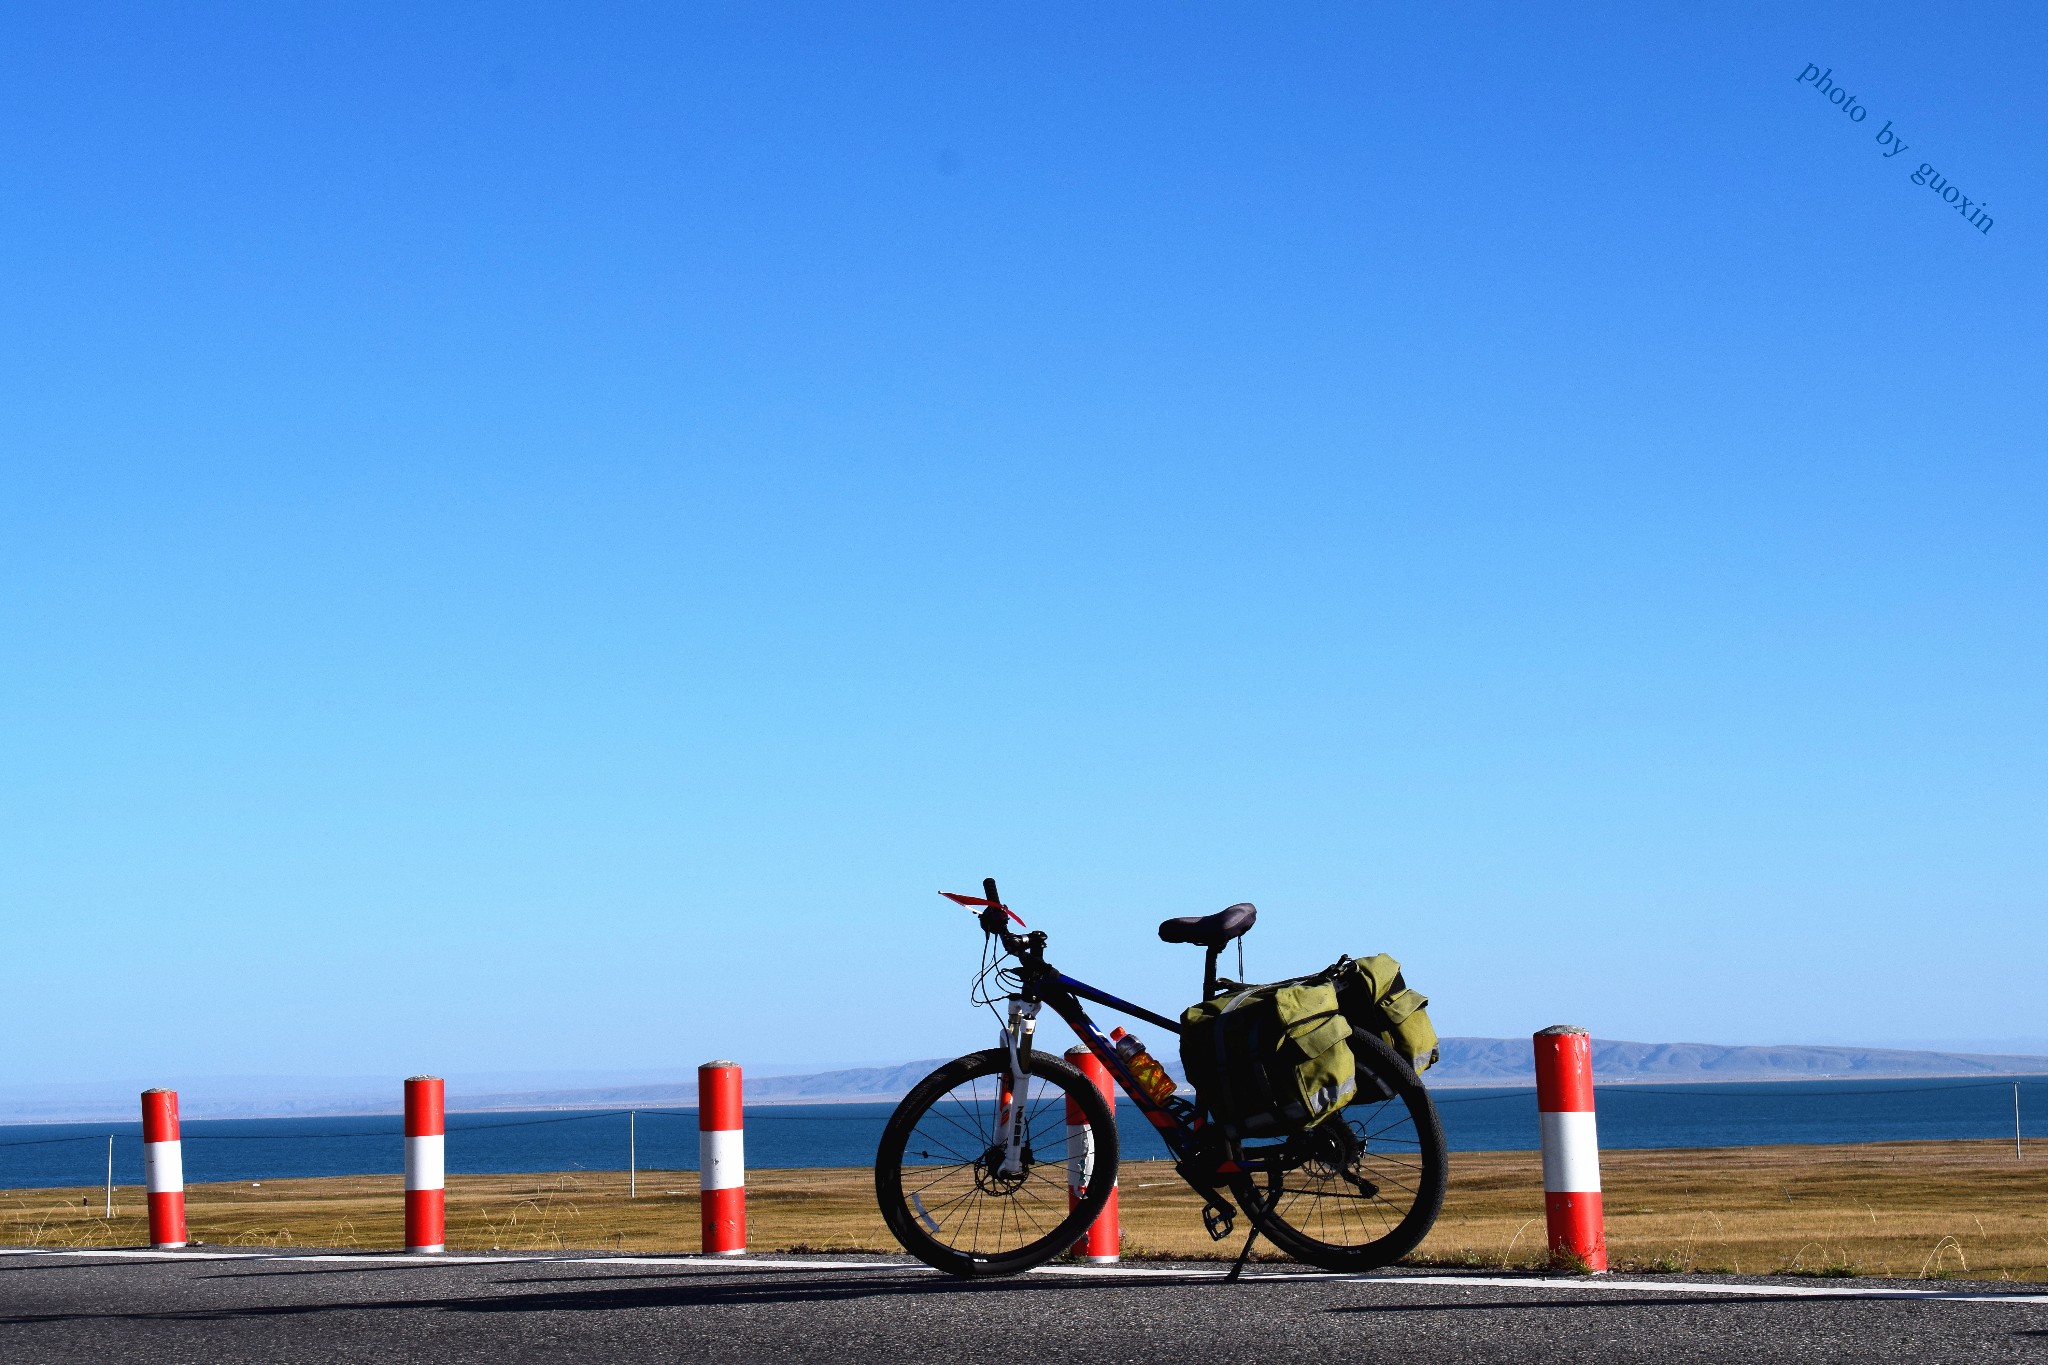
[(1219, 1219)]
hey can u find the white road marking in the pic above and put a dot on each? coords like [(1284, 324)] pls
[(1588, 1284), (1769, 1291)]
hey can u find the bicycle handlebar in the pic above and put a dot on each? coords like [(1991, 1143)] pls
[(994, 918)]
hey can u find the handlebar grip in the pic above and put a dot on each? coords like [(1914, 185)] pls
[(988, 888)]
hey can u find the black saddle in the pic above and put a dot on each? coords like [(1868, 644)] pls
[(1211, 931)]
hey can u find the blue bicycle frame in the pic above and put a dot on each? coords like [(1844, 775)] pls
[(1181, 1126)]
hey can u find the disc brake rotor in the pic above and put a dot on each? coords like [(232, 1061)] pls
[(1335, 1152), (988, 1172)]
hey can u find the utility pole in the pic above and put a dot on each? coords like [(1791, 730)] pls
[(633, 1155), (2017, 1155), (110, 1177)]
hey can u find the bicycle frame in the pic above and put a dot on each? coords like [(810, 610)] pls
[(1179, 1124)]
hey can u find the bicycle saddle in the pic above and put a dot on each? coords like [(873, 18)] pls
[(1211, 931)]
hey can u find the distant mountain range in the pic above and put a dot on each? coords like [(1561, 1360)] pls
[(1511, 1061), (1464, 1062)]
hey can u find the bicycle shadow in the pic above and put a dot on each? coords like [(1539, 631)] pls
[(605, 1295)]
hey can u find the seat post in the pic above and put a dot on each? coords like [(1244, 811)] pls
[(1209, 970)]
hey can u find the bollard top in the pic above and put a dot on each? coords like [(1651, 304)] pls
[(159, 1115), (159, 1090), (720, 1062), (423, 1078), (1564, 1070)]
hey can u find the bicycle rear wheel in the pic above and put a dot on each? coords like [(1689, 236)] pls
[(938, 1177), (1359, 1190)]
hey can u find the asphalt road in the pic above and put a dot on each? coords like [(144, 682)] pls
[(228, 1309)]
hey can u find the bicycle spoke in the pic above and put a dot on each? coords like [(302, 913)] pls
[(978, 1137), (961, 1168), (925, 1141)]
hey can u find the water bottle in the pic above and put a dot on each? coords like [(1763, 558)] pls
[(1151, 1077)]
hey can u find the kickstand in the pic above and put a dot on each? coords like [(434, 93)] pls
[(1242, 1256)]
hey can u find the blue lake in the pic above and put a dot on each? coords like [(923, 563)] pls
[(1728, 1115)]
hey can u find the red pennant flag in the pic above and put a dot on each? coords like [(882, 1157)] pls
[(959, 899)]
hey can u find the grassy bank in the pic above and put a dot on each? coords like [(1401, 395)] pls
[(1895, 1209)]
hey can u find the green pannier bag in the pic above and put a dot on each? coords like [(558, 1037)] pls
[(1376, 1000), (1270, 1060)]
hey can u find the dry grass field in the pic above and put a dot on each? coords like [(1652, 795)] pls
[(1908, 1209)]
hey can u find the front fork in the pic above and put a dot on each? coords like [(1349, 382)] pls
[(1016, 1085)]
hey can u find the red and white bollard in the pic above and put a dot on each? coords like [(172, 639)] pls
[(163, 1169), (1571, 1145), (426, 1164), (721, 1159), (1102, 1243)]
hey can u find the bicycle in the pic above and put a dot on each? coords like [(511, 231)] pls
[(977, 1176)]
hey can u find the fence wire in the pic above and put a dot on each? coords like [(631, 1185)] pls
[(771, 1118)]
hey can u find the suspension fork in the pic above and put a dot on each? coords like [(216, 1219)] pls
[(1016, 1085)]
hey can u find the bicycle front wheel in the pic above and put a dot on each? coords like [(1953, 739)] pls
[(939, 1177), (1362, 1188)]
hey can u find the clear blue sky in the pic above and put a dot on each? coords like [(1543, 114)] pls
[(540, 537)]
